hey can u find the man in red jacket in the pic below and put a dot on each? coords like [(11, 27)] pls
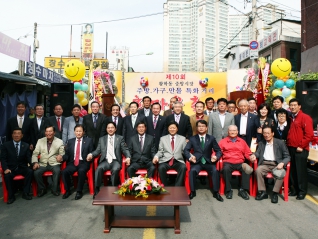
[(300, 134)]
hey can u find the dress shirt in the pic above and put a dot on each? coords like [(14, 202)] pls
[(200, 136), (93, 117), (199, 117), (113, 150), (281, 127), (115, 117), (174, 139), (209, 112), (269, 152), (76, 142), (18, 119), (177, 118), (222, 118), (39, 120), (19, 145), (146, 111), (243, 124)]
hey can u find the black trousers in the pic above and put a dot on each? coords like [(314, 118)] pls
[(212, 171), (135, 166), (298, 170), (70, 169), (178, 166), (227, 170), (28, 175)]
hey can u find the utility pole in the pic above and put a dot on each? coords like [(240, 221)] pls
[(254, 24), (35, 46)]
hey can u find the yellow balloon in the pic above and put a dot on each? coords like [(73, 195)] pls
[(80, 95), (293, 93), (276, 92), (281, 67), (84, 102), (287, 99), (74, 70)]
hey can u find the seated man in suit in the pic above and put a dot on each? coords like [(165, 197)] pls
[(70, 122), (116, 118), (142, 149), (235, 151), (47, 156), (111, 146), (57, 120), (146, 110), (170, 155), (199, 115), (201, 159), (76, 157), (271, 153), (15, 156)]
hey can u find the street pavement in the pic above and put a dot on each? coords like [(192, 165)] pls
[(52, 217)]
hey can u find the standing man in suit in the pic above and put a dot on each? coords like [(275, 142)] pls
[(271, 153), (116, 118), (209, 102), (277, 102), (57, 120), (77, 161), (94, 124), (15, 156), (142, 150), (20, 121), (130, 122), (146, 110), (199, 115), (231, 107), (111, 147), (156, 124), (170, 155), (202, 159), (183, 121), (247, 123), (47, 156), (252, 106), (220, 121), (168, 112), (39, 124), (70, 122)]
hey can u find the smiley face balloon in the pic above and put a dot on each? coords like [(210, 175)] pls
[(281, 67), (74, 70)]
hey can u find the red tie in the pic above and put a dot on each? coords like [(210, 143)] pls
[(155, 122), (59, 123), (172, 147), (77, 154)]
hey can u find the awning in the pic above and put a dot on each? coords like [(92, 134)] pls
[(22, 79)]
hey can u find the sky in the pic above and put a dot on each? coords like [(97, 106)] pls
[(140, 35)]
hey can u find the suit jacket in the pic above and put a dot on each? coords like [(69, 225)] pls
[(193, 121), (210, 145), (165, 152), (281, 134), (184, 128), (148, 151), (26, 128), (68, 128), (37, 133), (53, 121), (128, 129), (251, 127), (119, 148), (280, 151), (167, 112), (215, 127), (142, 112), (160, 129), (120, 124), (87, 147), (94, 133), (9, 159), (57, 148), (206, 113)]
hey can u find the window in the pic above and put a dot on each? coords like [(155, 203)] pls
[(293, 58)]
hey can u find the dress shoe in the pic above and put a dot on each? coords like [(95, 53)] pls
[(11, 200), (229, 194), (242, 193), (217, 196), (192, 194), (261, 195), (292, 194), (301, 196), (66, 195), (42, 193), (55, 193), (78, 195), (26, 196), (274, 198)]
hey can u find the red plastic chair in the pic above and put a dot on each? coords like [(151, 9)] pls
[(89, 175), (270, 175), (16, 178), (234, 173), (141, 171)]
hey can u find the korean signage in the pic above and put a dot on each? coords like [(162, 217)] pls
[(14, 48), (45, 74), (243, 55), (88, 42), (59, 63), (270, 39)]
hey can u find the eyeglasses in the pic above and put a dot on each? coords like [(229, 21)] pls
[(282, 116)]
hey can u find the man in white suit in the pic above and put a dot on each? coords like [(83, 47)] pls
[(169, 155), (220, 121)]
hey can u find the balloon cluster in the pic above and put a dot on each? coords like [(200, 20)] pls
[(80, 97), (284, 86), (204, 82), (144, 82)]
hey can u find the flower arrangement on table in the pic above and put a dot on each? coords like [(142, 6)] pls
[(140, 186)]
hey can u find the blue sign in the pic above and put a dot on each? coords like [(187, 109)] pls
[(253, 45), (45, 74)]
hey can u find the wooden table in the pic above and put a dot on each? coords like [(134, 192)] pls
[(176, 196)]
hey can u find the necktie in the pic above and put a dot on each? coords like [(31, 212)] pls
[(77, 154), (20, 122), (203, 161), (110, 150), (133, 120), (59, 123), (115, 120), (95, 119), (49, 144), (172, 147), (17, 149), (178, 118), (141, 144), (209, 112), (155, 122)]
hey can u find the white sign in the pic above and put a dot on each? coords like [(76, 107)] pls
[(253, 53)]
